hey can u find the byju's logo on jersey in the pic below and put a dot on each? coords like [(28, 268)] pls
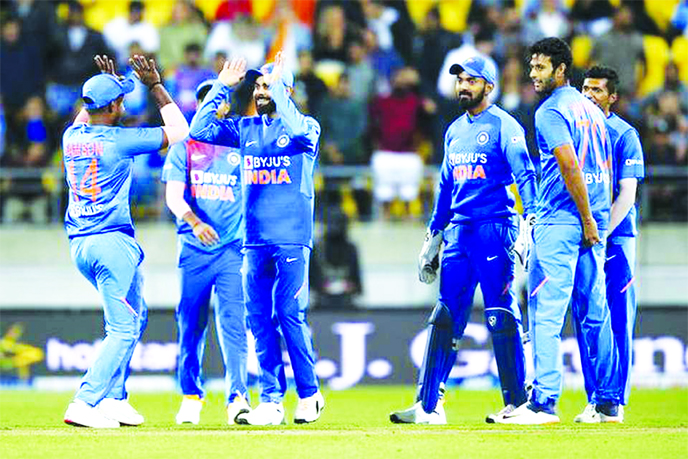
[(283, 141), (482, 138)]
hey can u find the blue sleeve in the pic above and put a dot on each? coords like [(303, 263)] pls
[(441, 215), (175, 169), (205, 126), (513, 143), (303, 129), (630, 156), (553, 128), (137, 141)]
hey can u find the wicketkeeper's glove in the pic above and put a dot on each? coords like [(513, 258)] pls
[(524, 242), (429, 258)]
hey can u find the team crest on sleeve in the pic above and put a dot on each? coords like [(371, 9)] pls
[(283, 141), (482, 138)]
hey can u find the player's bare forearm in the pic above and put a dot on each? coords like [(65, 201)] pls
[(160, 95), (623, 202)]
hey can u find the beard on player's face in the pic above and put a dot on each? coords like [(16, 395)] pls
[(265, 105), (468, 101)]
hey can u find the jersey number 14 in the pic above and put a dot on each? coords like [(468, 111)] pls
[(88, 186)]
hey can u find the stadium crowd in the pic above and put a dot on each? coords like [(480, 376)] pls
[(374, 74)]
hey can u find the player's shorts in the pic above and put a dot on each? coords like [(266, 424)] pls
[(396, 174)]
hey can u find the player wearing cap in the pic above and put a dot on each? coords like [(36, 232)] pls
[(484, 150), (279, 149), (600, 86), (567, 262), (98, 157), (204, 192)]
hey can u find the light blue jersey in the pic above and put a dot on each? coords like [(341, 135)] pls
[(278, 160), (568, 117), (212, 175), (98, 162), (482, 155), (628, 163)]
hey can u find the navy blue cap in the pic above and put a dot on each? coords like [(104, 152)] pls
[(205, 84), (287, 76), (100, 90), (476, 66)]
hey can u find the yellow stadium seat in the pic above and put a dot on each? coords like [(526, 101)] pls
[(661, 11), (454, 13), (656, 58), (158, 12), (679, 54), (418, 10), (329, 71), (97, 13), (208, 7), (581, 46), (262, 9)]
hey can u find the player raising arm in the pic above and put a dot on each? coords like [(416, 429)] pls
[(279, 149), (98, 157), (484, 149)]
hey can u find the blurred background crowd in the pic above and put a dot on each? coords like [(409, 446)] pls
[(374, 73)]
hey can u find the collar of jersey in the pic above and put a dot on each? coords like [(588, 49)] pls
[(471, 119)]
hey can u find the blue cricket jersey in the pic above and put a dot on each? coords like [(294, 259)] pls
[(98, 162), (278, 163), (482, 155), (628, 163), (212, 175), (568, 117)]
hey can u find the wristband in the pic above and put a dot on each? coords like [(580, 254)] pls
[(150, 88)]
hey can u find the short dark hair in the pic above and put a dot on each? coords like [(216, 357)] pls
[(192, 48), (608, 73), (557, 50)]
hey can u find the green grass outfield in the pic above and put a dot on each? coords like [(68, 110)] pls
[(355, 424)]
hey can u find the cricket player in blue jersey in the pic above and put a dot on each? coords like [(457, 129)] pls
[(98, 158), (600, 86), (203, 190), (279, 148), (484, 150), (567, 261)]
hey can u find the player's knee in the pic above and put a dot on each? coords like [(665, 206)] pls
[(501, 322)]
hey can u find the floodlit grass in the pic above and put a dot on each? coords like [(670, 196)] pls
[(355, 424)]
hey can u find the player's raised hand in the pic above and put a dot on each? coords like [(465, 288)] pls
[(277, 67), (106, 65), (233, 72), (145, 70)]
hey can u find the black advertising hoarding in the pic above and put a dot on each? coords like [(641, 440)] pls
[(360, 347)]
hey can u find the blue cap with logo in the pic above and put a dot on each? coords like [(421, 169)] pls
[(100, 90), (476, 66), (287, 76)]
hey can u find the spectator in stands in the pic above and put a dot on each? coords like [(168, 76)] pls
[(185, 79), (385, 22), (21, 74), (545, 18), (395, 126), (308, 85), (37, 18), (361, 73), (385, 62), (291, 34), (229, 10), (121, 32), (622, 37), (672, 83), (592, 17), (71, 61), (333, 35), (432, 44), (185, 27), (335, 274), (243, 36)]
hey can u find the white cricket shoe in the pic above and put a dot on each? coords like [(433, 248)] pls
[(190, 410), (309, 409), (81, 414), (238, 406), (416, 415), (120, 411), (525, 415), (492, 418), (608, 415), (265, 414), (588, 416)]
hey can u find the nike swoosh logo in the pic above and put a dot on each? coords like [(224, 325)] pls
[(289, 260), (491, 258), (197, 157), (252, 142), (609, 258)]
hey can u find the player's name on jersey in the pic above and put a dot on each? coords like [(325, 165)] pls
[(85, 211), (86, 149)]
